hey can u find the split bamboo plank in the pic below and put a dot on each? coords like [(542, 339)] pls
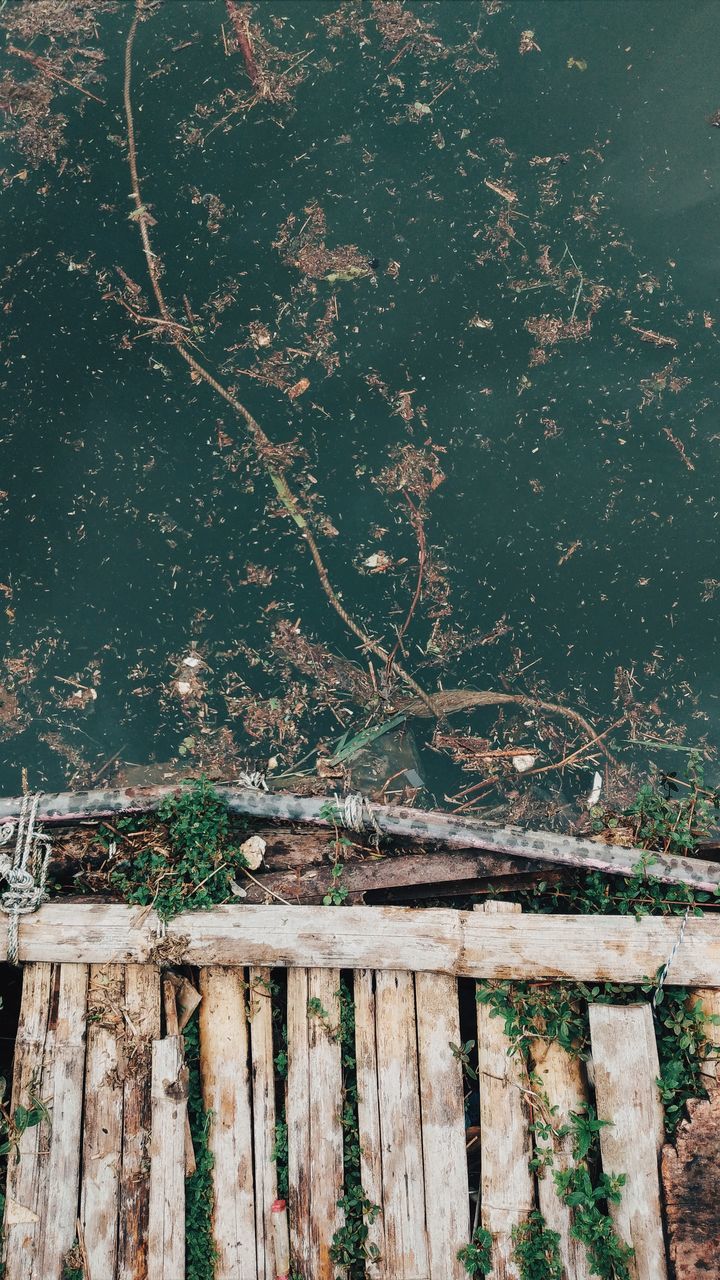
[(62, 1093), (585, 948), (263, 1108), (326, 1135), (447, 1195), (103, 1116), (23, 1223), (166, 1227), (142, 1026), (369, 1115), (403, 1189), (506, 1185), (225, 1076), (297, 1115), (562, 1079), (710, 1004), (314, 1102), (626, 1096), (170, 987)]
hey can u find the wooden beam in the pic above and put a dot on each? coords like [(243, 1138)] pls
[(465, 944), (166, 1230)]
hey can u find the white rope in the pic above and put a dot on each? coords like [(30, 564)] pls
[(356, 814), (25, 872), (673, 952)]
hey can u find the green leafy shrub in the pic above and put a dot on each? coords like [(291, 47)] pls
[(194, 869)]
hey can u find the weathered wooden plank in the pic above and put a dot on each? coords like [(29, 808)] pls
[(369, 1114), (313, 1107), (562, 1079), (443, 1124), (507, 1193), (225, 1075), (23, 1223), (691, 1180), (103, 1113), (141, 1013), (710, 1004), (166, 1226), (587, 948), (326, 1135), (62, 1093), (403, 1189), (170, 987), (297, 1116), (626, 1097), (263, 1109)]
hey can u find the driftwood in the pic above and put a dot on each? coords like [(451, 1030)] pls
[(440, 940), (691, 1180), (458, 832)]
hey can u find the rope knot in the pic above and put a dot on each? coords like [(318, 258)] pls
[(25, 872)]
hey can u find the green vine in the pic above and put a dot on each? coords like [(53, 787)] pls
[(476, 1257), (350, 1248), (535, 1250)]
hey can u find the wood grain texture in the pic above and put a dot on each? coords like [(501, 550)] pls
[(141, 1013), (23, 1222), (403, 1187), (166, 1225), (263, 1107), (507, 1193), (587, 948), (62, 1093), (562, 1078), (225, 1076), (103, 1119), (313, 1107), (691, 1180), (627, 1098), (443, 1124), (369, 1114)]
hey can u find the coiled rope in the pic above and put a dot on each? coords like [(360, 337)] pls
[(25, 871)]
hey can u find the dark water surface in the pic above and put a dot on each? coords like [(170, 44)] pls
[(577, 522)]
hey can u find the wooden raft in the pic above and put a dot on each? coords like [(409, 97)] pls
[(101, 1047)]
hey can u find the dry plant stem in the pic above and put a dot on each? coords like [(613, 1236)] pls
[(45, 69), (417, 522), (560, 764), (262, 443)]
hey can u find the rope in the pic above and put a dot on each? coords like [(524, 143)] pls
[(356, 814), (673, 952), (25, 872)]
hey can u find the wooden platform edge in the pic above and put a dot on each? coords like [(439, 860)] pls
[(463, 944)]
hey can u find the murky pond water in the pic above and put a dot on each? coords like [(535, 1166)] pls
[(530, 309)]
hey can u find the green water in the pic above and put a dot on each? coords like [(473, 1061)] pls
[(568, 514)]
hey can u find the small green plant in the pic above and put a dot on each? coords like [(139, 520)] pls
[(476, 1256), (462, 1053), (280, 1156), (338, 892), (200, 1251), (13, 1124), (536, 1251), (193, 870)]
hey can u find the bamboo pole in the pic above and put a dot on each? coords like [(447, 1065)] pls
[(456, 831)]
